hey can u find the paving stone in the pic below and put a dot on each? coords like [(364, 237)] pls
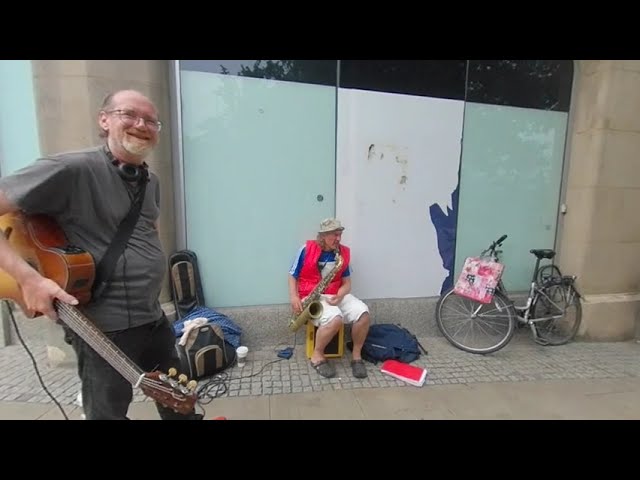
[(520, 361)]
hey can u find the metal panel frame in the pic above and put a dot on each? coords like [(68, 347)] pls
[(178, 155)]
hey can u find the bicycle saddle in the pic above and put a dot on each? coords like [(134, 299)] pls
[(544, 253)]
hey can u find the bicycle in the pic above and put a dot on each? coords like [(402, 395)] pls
[(550, 296)]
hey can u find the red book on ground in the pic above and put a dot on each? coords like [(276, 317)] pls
[(405, 372)]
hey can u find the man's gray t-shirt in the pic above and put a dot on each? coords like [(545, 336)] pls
[(87, 197)]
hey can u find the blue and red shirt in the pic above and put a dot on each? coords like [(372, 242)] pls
[(312, 264)]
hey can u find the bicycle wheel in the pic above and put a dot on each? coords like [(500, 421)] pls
[(547, 272), (561, 300), (473, 326)]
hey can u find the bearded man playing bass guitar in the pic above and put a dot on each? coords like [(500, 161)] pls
[(88, 193), (315, 260)]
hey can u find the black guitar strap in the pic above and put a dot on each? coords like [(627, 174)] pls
[(107, 265)]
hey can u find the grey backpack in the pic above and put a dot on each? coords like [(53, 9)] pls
[(205, 352)]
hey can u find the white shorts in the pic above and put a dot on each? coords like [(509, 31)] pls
[(350, 309)]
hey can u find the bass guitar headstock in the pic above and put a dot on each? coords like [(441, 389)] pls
[(178, 394)]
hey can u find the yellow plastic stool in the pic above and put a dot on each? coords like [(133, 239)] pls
[(335, 348)]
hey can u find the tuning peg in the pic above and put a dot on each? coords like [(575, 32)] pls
[(192, 385), (172, 372), (182, 378)]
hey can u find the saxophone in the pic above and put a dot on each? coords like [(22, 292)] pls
[(311, 306)]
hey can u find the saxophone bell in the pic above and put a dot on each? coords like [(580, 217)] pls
[(312, 312)]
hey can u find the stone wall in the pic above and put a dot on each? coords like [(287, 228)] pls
[(600, 240)]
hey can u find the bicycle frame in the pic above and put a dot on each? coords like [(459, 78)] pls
[(523, 312)]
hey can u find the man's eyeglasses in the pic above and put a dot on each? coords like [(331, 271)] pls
[(130, 119)]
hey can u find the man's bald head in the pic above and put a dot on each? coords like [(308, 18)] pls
[(123, 95)]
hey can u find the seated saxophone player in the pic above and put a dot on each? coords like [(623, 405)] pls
[(316, 273)]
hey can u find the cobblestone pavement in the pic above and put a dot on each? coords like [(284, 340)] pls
[(522, 360)]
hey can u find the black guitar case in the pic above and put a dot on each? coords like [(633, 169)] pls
[(186, 286)]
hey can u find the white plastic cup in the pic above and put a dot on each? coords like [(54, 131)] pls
[(241, 353)]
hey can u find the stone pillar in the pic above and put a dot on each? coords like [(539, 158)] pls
[(600, 239), (68, 95)]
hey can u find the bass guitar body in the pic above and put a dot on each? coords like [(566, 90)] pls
[(42, 244)]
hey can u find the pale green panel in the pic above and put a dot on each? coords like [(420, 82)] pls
[(510, 184), (257, 154), (19, 144)]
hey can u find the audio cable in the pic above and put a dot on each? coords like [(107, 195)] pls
[(33, 360)]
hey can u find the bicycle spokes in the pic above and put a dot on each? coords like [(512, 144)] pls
[(474, 326), (556, 314)]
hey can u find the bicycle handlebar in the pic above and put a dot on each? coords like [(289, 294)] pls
[(500, 240), (497, 243)]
